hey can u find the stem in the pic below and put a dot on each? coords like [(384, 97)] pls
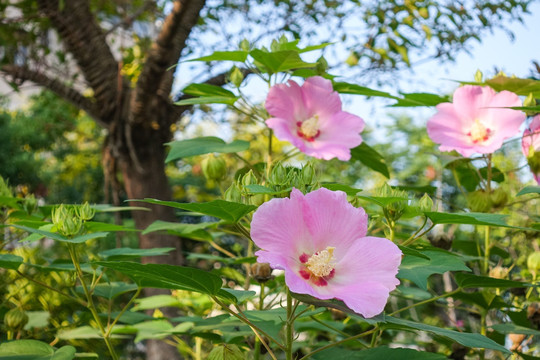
[(83, 303), (489, 174), (417, 231), (427, 301), (222, 250), (340, 342), (342, 333), (257, 350), (253, 327), (409, 241), (91, 305), (289, 330), (487, 246), (269, 159), (109, 330)]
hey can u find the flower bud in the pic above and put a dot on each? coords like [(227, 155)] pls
[(478, 76), (30, 203), (278, 175), (233, 193), (499, 272), (58, 215), (479, 201), (308, 174), (425, 203), (236, 76), (257, 199), (249, 179), (72, 225), (499, 197), (214, 168), (15, 319), (261, 272), (85, 212), (533, 263), (352, 60)]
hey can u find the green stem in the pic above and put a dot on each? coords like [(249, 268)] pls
[(109, 330), (257, 351), (417, 231), (410, 241), (487, 247), (289, 330), (342, 333), (90, 300), (339, 343), (427, 301)]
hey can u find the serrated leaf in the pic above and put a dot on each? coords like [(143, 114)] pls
[(203, 145), (179, 228), (10, 261), (226, 352), (110, 290), (207, 90), (123, 253), (172, 277), (34, 350), (370, 158), (516, 85), (464, 338), (420, 99), (237, 55), (469, 219), (227, 100), (225, 210), (59, 237), (475, 281), (529, 190), (339, 187), (418, 269), (279, 60), (353, 89)]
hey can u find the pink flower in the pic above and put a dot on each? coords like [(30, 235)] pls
[(310, 118), (320, 240), (530, 145), (476, 122)]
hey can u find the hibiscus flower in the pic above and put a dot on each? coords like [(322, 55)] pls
[(320, 240), (476, 122), (530, 145), (310, 118)]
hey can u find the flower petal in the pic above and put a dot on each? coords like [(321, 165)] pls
[(286, 101), (332, 221), (286, 131), (320, 97)]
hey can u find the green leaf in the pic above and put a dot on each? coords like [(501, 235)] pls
[(226, 352), (420, 99), (240, 295), (179, 228), (37, 319), (92, 226), (475, 281), (486, 300), (510, 328), (516, 85), (529, 190), (127, 253), (34, 350), (378, 353), (83, 238), (279, 60), (169, 277), (207, 100), (59, 237), (370, 158), (156, 301), (203, 145), (110, 290), (418, 269), (470, 219), (225, 210), (346, 88), (82, 332), (465, 339), (237, 55), (10, 261), (207, 90), (339, 187), (383, 201)]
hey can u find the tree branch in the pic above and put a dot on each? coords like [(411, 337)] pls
[(164, 53), (85, 40), (23, 73)]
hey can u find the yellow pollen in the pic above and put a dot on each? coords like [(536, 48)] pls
[(478, 132), (310, 127), (321, 263)]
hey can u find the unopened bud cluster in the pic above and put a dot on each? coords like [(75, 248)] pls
[(482, 201), (69, 220)]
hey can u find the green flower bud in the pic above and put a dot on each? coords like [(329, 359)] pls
[(425, 203), (352, 60), (30, 203), (236, 76), (233, 193), (58, 215), (249, 178), (479, 201), (4, 188), (15, 319), (533, 262), (278, 175), (478, 76), (499, 197), (257, 199), (244, 45), (72, 225), (214, 168), (308, 174), (322, 65), (85, 212)]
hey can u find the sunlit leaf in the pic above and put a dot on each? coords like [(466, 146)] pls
[(203, 145)]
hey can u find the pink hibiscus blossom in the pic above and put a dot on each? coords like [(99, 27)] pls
[(320, 240), (476, 122), (310, 118), (530, 145)]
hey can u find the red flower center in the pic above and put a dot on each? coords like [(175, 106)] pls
[(478, 132), (308, 129), (319, 267)]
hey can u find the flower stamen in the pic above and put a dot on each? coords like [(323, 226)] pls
[(309, 129), (478, 132), (319, 267)]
